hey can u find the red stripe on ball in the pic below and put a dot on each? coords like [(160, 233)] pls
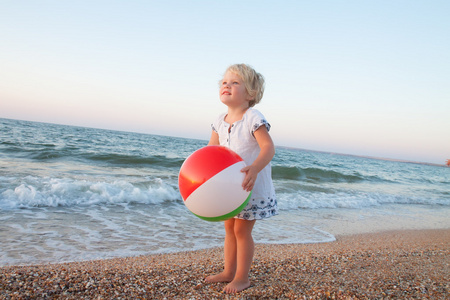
[(203, 164)]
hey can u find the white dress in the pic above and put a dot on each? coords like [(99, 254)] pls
[(240, 139)]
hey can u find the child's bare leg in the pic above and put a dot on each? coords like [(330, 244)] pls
[(244, 256), (229, 271)]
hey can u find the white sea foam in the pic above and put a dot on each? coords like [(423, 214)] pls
[(351, 199), (83, 233), (67, 192)]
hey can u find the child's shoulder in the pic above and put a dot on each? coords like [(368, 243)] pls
[(255, 119), (221, 117), (253, 113)]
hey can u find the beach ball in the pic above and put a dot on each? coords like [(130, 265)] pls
[(210, 183)]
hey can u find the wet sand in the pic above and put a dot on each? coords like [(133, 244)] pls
[(395, 264)]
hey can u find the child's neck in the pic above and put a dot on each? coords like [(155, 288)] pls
[(235, 114)]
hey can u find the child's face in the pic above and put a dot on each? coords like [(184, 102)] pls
[(233, 92)]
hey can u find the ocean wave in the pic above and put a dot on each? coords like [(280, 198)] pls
[(314, 174), (124, 159), (66, 192), (38, 151), (50, 152)]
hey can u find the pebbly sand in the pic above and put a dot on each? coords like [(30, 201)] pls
[(396, 264)]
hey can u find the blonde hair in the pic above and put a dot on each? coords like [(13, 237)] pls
[(253, 81)]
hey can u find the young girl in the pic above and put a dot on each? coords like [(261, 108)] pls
[(245, 131)]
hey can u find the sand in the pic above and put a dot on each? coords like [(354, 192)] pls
[(396, 264)]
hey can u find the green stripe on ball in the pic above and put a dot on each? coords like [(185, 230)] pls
[(228, 215)]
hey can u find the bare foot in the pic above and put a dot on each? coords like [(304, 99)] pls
[(236, 286), (221, 277)]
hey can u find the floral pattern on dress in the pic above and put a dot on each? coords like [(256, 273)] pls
[(259, 209)]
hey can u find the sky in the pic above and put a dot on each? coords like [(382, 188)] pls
[(357, 77)]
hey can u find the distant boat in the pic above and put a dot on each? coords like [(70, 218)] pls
[(448, 162)]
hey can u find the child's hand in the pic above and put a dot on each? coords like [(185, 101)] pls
[(250, 177)]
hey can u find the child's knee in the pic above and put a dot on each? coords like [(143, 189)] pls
[(229, 226), (243, 229)]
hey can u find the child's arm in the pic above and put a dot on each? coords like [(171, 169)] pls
[(214, 140), (265, 156)]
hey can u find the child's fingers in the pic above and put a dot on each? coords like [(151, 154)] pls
[(248, 183), (249, 180), (245, 169), (249, 186)]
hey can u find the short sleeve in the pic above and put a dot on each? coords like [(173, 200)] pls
[(216, 124), (257, 120)]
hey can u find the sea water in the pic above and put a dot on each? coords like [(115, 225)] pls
[(71, 193)]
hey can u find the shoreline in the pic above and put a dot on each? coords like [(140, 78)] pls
[(390, 217), (296, 227), (400, 263)]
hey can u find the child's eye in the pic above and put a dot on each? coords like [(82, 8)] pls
[(235, 82)]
